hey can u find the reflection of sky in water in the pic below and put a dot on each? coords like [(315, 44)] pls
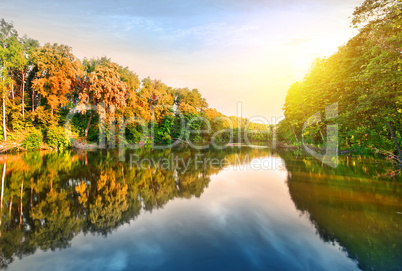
[(244, 220)]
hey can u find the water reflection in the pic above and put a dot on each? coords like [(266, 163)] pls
[(239, 219), (47, 198), (350, 206)]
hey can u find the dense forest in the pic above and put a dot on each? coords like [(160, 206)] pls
[(40, 85), (364, 78)]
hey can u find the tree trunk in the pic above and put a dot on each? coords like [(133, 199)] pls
[(2, 186), (122, 173), (89, 124), (11, 206), (33, 101), (12, 90), (23, 95), (4, 117), (4, 104), (395, 141), (294, 134), (322, 137)]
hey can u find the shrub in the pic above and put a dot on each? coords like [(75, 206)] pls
[(133, 133), (41, 116), (56, 138), (14, 117), (33, 139)]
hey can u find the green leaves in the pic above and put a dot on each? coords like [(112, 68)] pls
[(364, 77), (33, 141), (56, 138)]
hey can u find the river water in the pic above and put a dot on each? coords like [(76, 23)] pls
[(237, 209)]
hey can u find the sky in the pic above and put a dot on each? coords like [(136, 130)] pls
[(232, 51)]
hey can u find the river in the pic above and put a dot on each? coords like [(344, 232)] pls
[(234, 209)]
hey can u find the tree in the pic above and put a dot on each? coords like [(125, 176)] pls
[(57, 69), (8, 36), (154, 97), (380, 24), (374, 12), (25, 66), (363, 77), (190, 101), (105, 87)]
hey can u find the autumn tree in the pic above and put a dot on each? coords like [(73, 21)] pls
[(57, 69), (190, 101), (105, 86), (154, 96)]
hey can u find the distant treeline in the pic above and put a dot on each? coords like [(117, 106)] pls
[(364, 77)]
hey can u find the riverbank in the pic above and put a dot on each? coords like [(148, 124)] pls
[(18, 146)]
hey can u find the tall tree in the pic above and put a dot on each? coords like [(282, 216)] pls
[(57, 69), (105, 87), (25, 66), (8, 35), (364, 77), (190, 101), (154, 96), (380, 23)]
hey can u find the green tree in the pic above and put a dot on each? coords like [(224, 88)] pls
[(8, 38)]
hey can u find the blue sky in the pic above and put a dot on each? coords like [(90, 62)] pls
[(231, 50)]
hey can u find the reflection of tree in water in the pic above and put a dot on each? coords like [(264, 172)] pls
[(346, 205), (105, 205), (54, 223), (50, 197)]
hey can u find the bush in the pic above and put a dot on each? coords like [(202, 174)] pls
[(56, 138), (14, 117), (133, 133), (41, 116), (33, 140)]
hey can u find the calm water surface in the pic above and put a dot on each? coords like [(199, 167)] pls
[(257, 210)]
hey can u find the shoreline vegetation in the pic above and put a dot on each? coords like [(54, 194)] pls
[(363, 80), (42, 85)]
